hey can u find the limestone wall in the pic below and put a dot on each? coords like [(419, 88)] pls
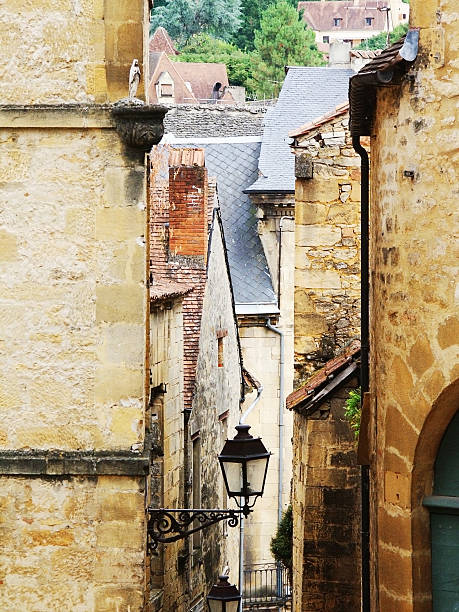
[(327, 244), (215, 414), (415, 325), (70, 52), (326, 509), (167, 428), (72, 291), (72, 544)]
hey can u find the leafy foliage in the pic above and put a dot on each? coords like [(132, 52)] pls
[(183, 18), (353, 410), (206, 48), (251, 13), (379, 40), (282, 542), (283, 39)]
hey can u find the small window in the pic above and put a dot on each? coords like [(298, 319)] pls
[(221, 333), (368, 21), (337, 21), (167, 90), (404, 16), (326, 39)]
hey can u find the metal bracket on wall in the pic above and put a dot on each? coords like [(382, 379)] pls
[(169, 525)]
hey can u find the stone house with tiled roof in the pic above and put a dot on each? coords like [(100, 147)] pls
[(196, 368)]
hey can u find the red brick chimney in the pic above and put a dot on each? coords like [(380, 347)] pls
[(188, 203)]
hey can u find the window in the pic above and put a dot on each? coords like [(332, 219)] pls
[(326, 39), (167, 90), (404, 16), (337, 21), (221, 333), (368, 21)]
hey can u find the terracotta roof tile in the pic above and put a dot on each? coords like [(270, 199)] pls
[(167, 291), (321, 377), (161, 41), (186, 157), (202, 77)]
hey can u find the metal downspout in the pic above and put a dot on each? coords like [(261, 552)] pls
[(364, 367), (242, 519)]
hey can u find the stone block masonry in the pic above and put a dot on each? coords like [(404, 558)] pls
[(327, 245), (211, 121)]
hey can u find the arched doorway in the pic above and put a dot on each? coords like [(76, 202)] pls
[(443, 505)]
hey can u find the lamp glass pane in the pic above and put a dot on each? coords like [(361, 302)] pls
[(232, 606), (233, 473), (215, 605), (255, 475)]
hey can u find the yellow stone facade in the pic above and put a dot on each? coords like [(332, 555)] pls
[(414, 303), (73, 310)]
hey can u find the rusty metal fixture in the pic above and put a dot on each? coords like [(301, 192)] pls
[(167, 525), (140, 126)]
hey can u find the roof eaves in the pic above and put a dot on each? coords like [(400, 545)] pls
[(339, 110), (385, 70)]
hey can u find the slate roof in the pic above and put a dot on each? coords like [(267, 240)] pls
[(234, 164), (307, 93)]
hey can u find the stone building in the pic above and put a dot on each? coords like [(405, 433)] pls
[(325, 490), (73, 457), (327, 240), (326, 487), (195, 368), (413, 395)]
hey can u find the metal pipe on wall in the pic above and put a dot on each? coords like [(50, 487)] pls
[(365, 352)]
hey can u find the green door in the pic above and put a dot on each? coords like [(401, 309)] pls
[(444, 522)]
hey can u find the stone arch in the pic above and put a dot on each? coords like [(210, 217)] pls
[(443, 410)]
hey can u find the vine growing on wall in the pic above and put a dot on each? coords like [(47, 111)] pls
[(353, 410)]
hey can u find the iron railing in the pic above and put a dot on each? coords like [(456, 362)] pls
[(266, 586)]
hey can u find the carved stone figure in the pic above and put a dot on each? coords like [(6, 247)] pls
[(134, 78)]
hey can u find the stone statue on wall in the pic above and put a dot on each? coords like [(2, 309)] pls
[(134, 78)]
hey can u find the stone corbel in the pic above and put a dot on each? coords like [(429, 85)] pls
[(140, 126)]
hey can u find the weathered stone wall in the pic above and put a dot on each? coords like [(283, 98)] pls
[(261, 355), (326, 510), (215, 413), (72, 291), (415, 325), (167, 428), (327, 235), (72, 544), (70, 52), (214, 121)]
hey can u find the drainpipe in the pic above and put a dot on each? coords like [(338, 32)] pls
[(364, 366), (242, 519), (281, 417)]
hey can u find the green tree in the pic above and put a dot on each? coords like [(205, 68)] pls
[(283, 39), (205, 48), (282, 542), (251, 13), (379, 41), (183, 18)]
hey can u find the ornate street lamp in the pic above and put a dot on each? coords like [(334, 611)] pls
[(244, 463), (223, 596)]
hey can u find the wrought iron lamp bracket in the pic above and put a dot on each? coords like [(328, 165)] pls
[(169, 525)]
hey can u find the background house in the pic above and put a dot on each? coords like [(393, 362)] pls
[(351, 21), (413, 384)]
